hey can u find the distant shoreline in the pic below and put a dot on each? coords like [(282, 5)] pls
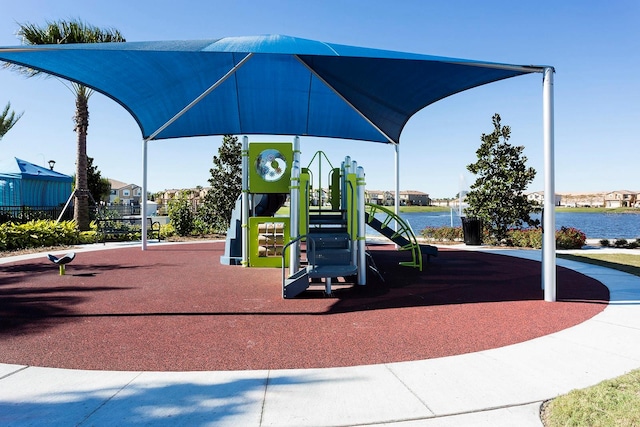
[(406, 209), (422, 209)]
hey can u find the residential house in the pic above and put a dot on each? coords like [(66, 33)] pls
[(379, 197), (414, 198), (577, 200), (125, 194), (538, 196), (375, 197), (621, 199)]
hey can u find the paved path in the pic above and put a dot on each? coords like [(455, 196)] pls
[(494, 387)]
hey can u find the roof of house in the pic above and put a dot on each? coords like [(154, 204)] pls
[(622, 192), (414, 192), (117, 185)]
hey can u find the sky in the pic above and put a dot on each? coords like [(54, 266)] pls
[(594, 47)]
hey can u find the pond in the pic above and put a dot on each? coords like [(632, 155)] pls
[(595, 225)]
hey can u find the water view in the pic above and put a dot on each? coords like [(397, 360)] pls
[(595, 225)]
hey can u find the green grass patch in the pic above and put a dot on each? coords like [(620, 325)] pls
[(629, 263), (614, 402), (423, 208), (598, 210)]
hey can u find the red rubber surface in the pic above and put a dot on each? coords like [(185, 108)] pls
[(174, 308)]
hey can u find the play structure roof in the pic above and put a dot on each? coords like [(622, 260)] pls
[(272, 85)]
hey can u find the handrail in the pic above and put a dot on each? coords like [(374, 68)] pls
[(284, 251), (307, 188), (403, 229), (353, 207), (320, 154), (323, 154)]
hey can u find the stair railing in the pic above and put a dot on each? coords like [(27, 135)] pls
[(320, 154), (284, 251), (404, 230)]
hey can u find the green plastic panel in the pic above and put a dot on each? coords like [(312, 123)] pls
[(270, 167), (267, 236)]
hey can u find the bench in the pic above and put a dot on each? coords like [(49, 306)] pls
[(124, 226)]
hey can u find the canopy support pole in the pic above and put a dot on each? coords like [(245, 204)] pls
[(396, 202), (245, 201), (361, 248), (549, 212), (294, 209), (143, 197)]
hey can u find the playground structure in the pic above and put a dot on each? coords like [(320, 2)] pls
[(323, 238), (308, 84)]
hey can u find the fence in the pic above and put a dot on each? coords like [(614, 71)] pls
[(117, 210), (22, 214)]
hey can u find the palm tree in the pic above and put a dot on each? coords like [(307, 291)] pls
[(64, 32), (7, 120)]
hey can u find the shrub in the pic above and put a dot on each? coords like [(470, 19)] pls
[(38, 233), (605, 243), (620, 243), (201, 226), (525, 238), (167, 230), (570, 238), (181, 216), (566, 237), (443, 234), (87, 237)]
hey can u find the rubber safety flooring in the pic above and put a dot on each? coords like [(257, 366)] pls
[(174, 307)]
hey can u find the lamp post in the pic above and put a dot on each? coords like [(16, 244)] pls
[(51, 164)]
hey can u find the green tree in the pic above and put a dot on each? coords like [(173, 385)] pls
[(497, 196), (7, 120), (226, 184), (99, 187), (64, 32)]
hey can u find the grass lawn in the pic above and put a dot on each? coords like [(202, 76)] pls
[(613, 402), (629, 263), (598, 210)]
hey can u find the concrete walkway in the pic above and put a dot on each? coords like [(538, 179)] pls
[(498, 387)]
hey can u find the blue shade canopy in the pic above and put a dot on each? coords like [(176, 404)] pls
[(273, 85)]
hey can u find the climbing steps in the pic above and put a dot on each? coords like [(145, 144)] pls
[(329, 254)]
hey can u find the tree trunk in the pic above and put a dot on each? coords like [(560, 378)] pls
[(81, 205)]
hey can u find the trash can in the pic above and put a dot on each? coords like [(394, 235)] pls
[(472, 231)]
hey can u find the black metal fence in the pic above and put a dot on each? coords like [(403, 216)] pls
[(117, 211), (22, 214)]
